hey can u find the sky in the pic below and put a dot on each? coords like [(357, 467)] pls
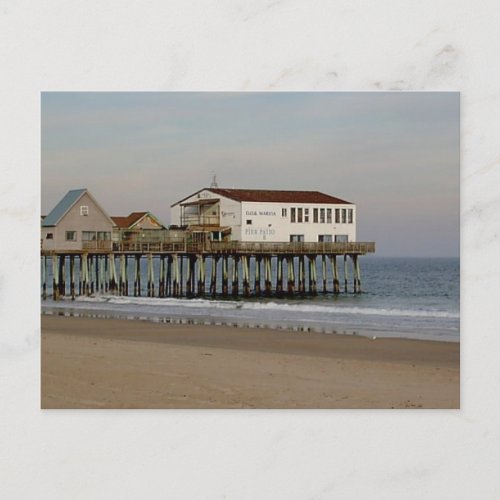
[(395, 154)]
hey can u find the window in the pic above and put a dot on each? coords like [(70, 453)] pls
[(337, 216), (103, 236), (283, 212), (299, 214), (315, 215), (306, 215), (322, 215), (349, 215), (328, 215), (344, 215), (84, 210), (49, 236), (341, 238), (70, 235), (249, 222), (324, 238), (292, 215), (295, 238), (89, 235)]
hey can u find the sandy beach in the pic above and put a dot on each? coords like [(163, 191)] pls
[(111, 363)]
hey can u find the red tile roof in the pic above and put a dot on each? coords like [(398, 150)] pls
[(126, 222), (272, 196)]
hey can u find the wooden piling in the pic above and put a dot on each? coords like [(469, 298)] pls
[(72, 276), (55, 277), (256, 287), (137, 276), (200, 289), (106, 273), (301, 275), (168, 277), (92, 274), (323, 272), (44, 277), (354, 277), (224, 275), (112, 273), (246, 275), (86, 278), (175, 275), (290, 274), (80, 275), (97, 270), (336, 286), (345, 274), (62, 275), (123, 274), (161, 278), (268, 276), (235, 276), (188, 277), (180, 281), (213, 275), (149, 263), (358, 274), (279, 275), (313, 275)]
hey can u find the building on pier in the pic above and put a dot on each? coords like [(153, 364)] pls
[(138, 221), (283, 242), (76, 223), (256, 215), (136, 228)]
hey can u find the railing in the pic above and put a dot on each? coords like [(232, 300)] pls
[(200, 220), (291, 248), (158, 246), (249, 248), (97, 245)]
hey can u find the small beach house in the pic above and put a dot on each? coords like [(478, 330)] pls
[(77, 223), (136, 228), (267, 215)]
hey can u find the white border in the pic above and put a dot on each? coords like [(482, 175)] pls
[(259, 45)]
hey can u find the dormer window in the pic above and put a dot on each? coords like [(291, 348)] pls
[(84, 210)]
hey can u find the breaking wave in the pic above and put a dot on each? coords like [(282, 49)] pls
[(165, 304)]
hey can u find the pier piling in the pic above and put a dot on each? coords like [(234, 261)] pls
[(184, 267)]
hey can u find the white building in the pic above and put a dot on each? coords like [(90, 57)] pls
[(265, 215)]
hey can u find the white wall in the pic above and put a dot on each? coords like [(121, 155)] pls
[(268, 224), (267, 221)]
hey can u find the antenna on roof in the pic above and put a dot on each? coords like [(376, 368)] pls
[(214, 181)]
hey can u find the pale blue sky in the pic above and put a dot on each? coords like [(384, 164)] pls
[(394, 154)]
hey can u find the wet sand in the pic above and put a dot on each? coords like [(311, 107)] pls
[(111, 363)]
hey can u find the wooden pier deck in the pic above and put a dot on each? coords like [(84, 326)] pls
[(177, 269)]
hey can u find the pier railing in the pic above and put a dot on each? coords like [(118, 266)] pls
[(97, 245), (247, 248), (294, 248), (188, 246)]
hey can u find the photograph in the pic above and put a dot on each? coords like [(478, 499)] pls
[(237, 250)]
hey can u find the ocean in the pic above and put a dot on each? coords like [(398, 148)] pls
[(416, 298)]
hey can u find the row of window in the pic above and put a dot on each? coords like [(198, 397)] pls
[(86, 236), (321, 215), (322, 238)]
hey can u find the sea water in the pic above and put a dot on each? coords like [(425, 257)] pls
[(402, 297)]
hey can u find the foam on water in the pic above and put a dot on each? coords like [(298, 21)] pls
[(167, 303)]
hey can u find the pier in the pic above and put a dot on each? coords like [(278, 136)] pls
[(205, 268)]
